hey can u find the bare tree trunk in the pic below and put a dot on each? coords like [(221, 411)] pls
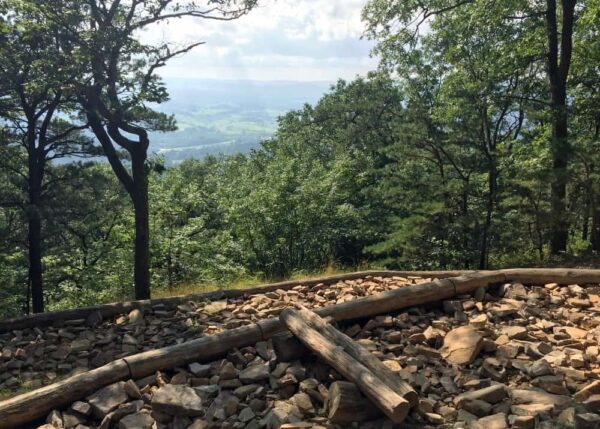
[(558, 71), (141, 274), (34, 234)]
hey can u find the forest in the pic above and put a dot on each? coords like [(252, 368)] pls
[(475, 144)]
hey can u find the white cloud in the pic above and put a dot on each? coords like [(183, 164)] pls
[(279, 40)]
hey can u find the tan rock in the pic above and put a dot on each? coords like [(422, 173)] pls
[(462, 345)]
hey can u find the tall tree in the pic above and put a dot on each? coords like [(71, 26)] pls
[(397, 25), (35, 76), (120, 81)]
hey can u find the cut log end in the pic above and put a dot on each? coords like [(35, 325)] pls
[(346, 404)]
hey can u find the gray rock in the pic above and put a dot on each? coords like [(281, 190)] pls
[(136, 421), (177, 400), (254, 374), (107, 399)]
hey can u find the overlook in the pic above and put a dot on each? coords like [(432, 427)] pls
[(413, 184)]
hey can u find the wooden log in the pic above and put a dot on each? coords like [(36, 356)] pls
[(17, 411), (388, 401), (362, 355), (27, 407), (114, 309), (346, 404)]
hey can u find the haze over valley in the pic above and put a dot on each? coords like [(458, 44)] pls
[(227, 116)]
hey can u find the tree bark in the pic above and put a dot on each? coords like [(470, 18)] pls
[(139, 197), (34, 220), (558, 71)]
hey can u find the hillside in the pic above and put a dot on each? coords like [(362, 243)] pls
[(227, 117)]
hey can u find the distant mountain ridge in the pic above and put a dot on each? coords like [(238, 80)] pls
[(227, 116)]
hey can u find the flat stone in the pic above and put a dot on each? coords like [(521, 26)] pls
[(215, 307), (587, 421), (198, 369), (524, 396), (495, 421), (107, 399), (136, 421), (514, 332), (177, 400), (462, 345), (254, 374), (82, 408)]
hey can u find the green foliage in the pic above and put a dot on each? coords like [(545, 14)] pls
[(442, 159)]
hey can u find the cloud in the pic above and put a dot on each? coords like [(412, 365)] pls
[(279, 40)]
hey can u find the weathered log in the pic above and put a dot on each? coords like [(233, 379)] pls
[(27, 407), (362, 355), (17, 411), (346, 404), (388, 401), (521, 275), (114, 309), (30, 406)]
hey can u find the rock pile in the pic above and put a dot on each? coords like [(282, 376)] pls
[(34, 357), (516, 357)]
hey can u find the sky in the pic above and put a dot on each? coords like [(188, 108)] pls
[(290, 40)]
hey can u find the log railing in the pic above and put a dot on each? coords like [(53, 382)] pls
[(25, 408)]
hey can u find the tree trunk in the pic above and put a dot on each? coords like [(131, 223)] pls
[(491, 200), (558, 71), (35, 257), (34, 221), (595, 233), (139, 196)]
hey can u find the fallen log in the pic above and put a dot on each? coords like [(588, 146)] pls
[(27, 407), (361, 354), (346, 404), (521, 275), (114, 309), (388, 401), (30, 406)]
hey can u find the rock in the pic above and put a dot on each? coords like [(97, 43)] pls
[(476, 407), (591, 389), (592, 403), (215, 307), (254, 374), (514, 332), (80, 345), (495, 421), (107, 399), (246, 415), (228, 371), (575, 333), (177, 400), (587, 421), (492, 394), (82, 408), (136, 421), (136, 317), (522, 396), (132, 389), (462, 345), (198, 369), (521, 422)]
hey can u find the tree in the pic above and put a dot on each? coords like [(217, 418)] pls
[(35, 76), (120, 82)]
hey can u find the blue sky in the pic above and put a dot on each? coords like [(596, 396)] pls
[(298, 40)]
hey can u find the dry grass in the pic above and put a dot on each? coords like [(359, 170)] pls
[(190, 288)]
